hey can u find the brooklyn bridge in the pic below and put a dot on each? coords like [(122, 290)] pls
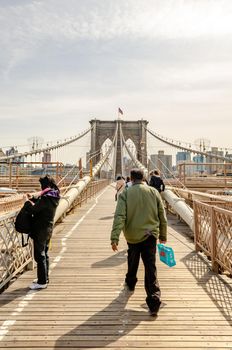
[(85, 305)]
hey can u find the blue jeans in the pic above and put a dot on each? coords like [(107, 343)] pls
[(147, 251), (42, 260)]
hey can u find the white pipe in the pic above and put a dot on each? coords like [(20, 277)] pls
[(179, 205), (75, 191), (70, 196)]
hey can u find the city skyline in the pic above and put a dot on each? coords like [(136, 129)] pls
[(151, 153)]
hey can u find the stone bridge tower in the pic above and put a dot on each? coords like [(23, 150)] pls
[(134, 130)]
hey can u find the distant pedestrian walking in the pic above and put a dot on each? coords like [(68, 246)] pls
[(120, 185), (141, 215), (43, 210), (156, 181), (128, 182)]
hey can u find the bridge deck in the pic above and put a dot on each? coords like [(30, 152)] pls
[(85, 306)]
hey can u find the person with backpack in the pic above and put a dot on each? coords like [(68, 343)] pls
[(156, 181), (42, 210)]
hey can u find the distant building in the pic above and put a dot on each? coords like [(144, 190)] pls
[(213, 169), (13, 152), (183, 157), (162, 162), (2, 154), (199, 158), (2, 166), (47, 158), (229, 167)]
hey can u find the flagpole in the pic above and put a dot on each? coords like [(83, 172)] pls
[(119, 112)]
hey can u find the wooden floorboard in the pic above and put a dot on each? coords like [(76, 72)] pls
[(86, 307)]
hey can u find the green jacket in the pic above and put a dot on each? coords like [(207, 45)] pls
[(139, 212)]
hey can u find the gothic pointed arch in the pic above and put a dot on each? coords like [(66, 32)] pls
[(134, 130)]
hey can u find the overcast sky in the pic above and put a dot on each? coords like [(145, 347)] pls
[(64, 62)]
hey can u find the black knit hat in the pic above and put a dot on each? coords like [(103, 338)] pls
[(48, 181)]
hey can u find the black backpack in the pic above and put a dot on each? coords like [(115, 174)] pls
[(23, 221), (157, 183)]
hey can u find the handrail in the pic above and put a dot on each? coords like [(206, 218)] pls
[(213, 234), (199, 195), (14, 257)]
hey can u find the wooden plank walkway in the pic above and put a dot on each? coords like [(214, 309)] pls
[(85, 306)]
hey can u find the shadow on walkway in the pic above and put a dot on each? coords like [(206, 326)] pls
[(215, 286), (8, 297), (113, 260), (107, 217), (104, 327)]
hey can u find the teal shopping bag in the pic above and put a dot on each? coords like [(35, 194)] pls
[(166, 255)]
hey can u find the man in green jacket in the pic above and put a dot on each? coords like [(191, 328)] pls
[(141, 215)]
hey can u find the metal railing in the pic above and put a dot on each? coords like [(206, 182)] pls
[(24, 176), (91, 190), (213, 234), (13, 257), (12, 203), (190, 196)]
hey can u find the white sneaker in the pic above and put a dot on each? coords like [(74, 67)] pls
[(36, 281), (35, 286)]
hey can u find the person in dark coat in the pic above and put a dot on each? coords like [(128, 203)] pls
[(43, 210), (156, 181)]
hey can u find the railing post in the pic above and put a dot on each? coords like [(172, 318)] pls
[(196, 226), (92, 189), (17, 176), (225, 177), (57, 171), (60, 170), (80, 169), (184, 173), (215, 266), (180, 169), (10, 173), (91, 168)]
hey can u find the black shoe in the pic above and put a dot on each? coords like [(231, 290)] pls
[(154, 310), (153, 313), (131, 289)]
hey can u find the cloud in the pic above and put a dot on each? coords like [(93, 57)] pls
[(163, 60), (29, 27)]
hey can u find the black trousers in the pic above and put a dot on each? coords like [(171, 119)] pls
[(42, 259), (147, 251)]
